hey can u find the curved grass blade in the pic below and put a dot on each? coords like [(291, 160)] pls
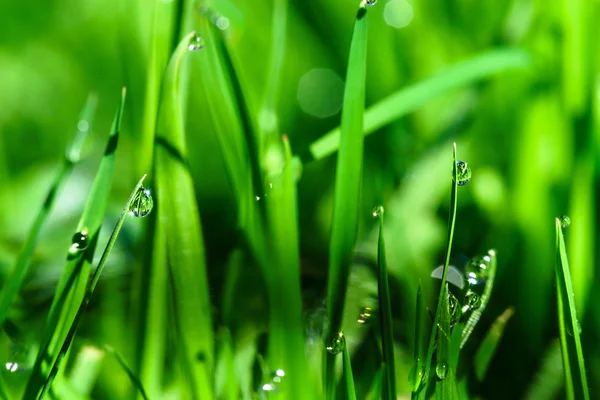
[(347, 187), (570, 342), (347, 375), (71, 158), (65, 344), (134, 379), (177, 207), (476, 315), (490, 343), (445, 387), (385, 309), (422, 393), (72, 286), (411, 98), (286, 339), (376, 387)]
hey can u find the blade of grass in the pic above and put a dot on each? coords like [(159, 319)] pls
[(376, 387), (412, 97), (226, 383), (487, 348), (85, 370), (177, 207), (445, 387), (422, 393), (485, 297), (65, 344), (548, 381), (71, 158), (132, 376), (416, 373), (286, 339), (347, 187), (347, 375), (385, 310), (73, 282), (570, 342)]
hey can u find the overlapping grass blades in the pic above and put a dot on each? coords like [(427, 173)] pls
[(72, 286), (570, 342), (347, 377), (66, 342), (385, 318), (71, 157), (412, 97), (177, 208), (487, 348), (422, 392), (347, 186)]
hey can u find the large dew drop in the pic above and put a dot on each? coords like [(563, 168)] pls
[(79, 242), (196, 43), (142, 203), (336, 344), (463, 173), (478, 270), (441, 369), (565, 221)]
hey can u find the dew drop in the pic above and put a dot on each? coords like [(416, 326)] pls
[(19, 359), (79, 242), (416, 375), (478, 270), (370, 2), (365, 315), (142, 203), (268, 387), (336, 344), (196, 43), (441, 369), (565, 221), (463, 173), (472, 302), (378, 211), (454, 308)]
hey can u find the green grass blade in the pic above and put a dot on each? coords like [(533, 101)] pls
[(72, 156), (348, 183), (411, 98), (65, 344), (177, 207), (572, 353), (347, 375), (85, 370), (132, 376), (485, 297), (446, 382), (549, 379), (487, 349), (422, 394), (226, 386), (376, 387), (417, 371), (286, 338), (385, 310), (73, 282)]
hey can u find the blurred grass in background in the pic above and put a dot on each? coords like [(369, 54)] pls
[(529, 135)]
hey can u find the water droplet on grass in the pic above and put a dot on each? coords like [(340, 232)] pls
[(79, 242), (454, 308), (441, 369), (365, 315), (478, 270), (370, 2), (336, 344), (463, 173), (472, 302), (196, 43), (565, 221), (416, 375), (142, 203), (378, 211)]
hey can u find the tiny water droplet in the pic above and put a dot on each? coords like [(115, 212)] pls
[(472, 302), (79, 242), (463, 173), (454, 308), (378, 211), (441, 369), (20, 359), (565, 221), (365, 315), (336, 344), (370, 2), (269, 387), (416, 375), (222, 23), (196, 43), (142, 203)]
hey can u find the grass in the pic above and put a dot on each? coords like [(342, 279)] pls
[(249, 268)]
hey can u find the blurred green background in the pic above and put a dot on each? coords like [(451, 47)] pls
[(529, 136)]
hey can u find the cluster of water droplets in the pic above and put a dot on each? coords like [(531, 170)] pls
[(272, 384), (142, 203)]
